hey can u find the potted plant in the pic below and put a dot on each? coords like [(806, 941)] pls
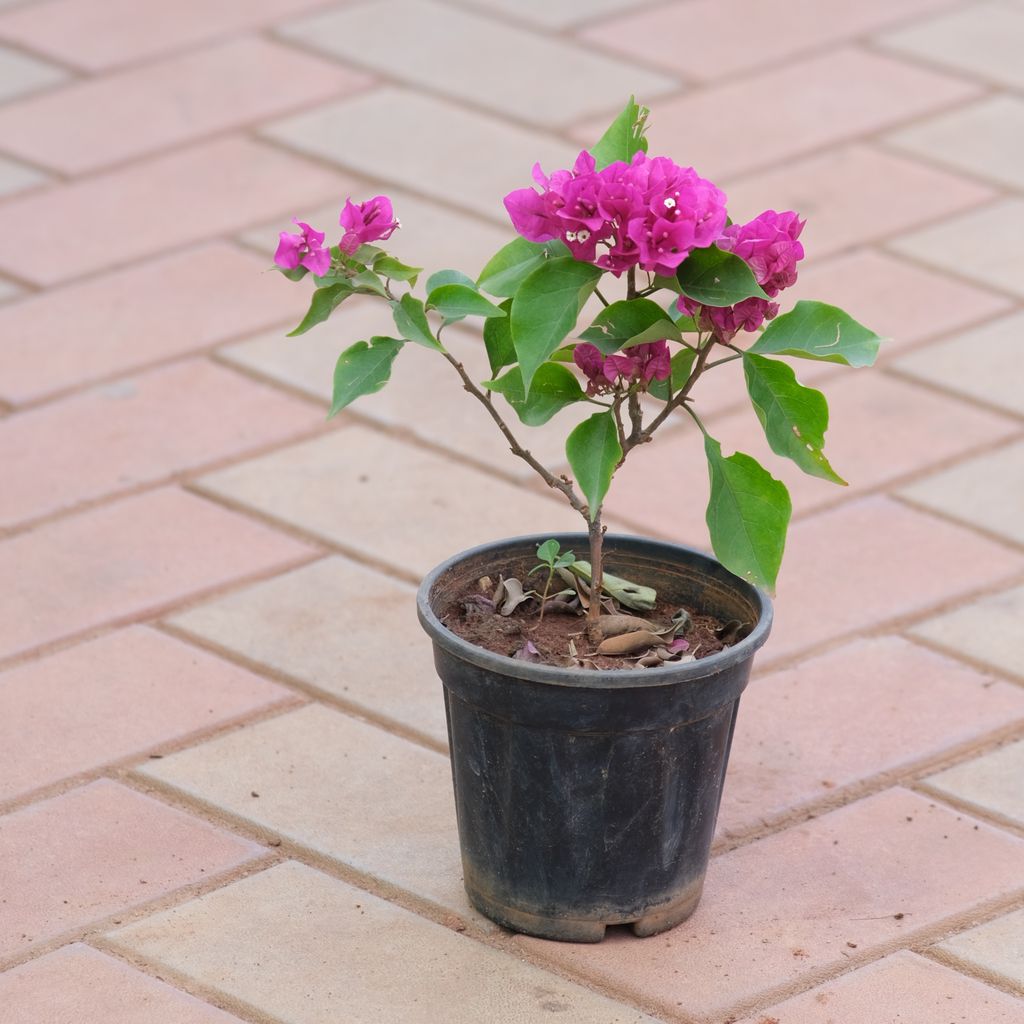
[(592, 682)]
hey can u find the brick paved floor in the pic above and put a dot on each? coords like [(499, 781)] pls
[(212, 809)]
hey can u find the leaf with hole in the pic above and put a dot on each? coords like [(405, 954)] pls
[(816, 330), (363, 369), (714, 277)]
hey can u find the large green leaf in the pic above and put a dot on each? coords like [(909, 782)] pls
[(324, 302), (624, 137), (454, 301), (510, 266), (369, 283), (411, 321), (628, 322), (714, 277), (498, 339), (442, 277), (593, 451), (363, 369), (396, 270), (747, 515), (682, 364), (554, 387), (794, 417), (815, 330), (545, 309)]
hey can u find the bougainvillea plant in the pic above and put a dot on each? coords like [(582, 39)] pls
[(698, 291)]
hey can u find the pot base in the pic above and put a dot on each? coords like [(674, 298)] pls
[(567, 929)]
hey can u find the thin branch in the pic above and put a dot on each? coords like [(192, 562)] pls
[(604, 301), (719, 362), (620, 429), (681, 395), (636, 420)]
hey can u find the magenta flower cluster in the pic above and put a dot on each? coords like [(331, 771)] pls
[(366, 222), (650, 213), (641, 363), (769, 245)]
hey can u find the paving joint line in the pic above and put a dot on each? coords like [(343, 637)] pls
[(950, 391), (995, 819), (1003, 674), (961, 965)]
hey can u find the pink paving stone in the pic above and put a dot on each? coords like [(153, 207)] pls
[(917, 990), (79, 857), (738, 35), (126, 319), (814, 102), (112, 698), (778, 910), (126, 560), (880, 429), (78, 985), (117, 435), (102, 121), (853, 195), (871, 707), (97, 34), (169, 201)]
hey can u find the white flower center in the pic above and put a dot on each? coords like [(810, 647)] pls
[(670, 203), (582, 235)]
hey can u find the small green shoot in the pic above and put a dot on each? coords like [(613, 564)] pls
[(551, 558)]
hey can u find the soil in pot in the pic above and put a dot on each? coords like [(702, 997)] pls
[(559, 637)]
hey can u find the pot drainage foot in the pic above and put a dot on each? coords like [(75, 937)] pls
[(668, 917)]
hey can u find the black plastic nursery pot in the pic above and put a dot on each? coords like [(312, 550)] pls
[(589, 798)]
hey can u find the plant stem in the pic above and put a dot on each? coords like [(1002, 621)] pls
[(596, 578), (597, 292), (631, 292), (680, 396)]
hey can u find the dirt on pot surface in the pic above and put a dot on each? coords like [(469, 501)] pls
[(559, 638)]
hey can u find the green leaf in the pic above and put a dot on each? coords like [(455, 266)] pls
[(682, 364), (668, 283), (554, 387), (794, 417), (717, 278), (365, 254), (454, 301), (815, 330), (363, 369), (663, 330), (510, 266), (747, 515), (294, 274), (369, 283), (498, 339), (548, 551), (627, 322), (388, 266), (443, 277), (324, 302), (411, 321), (546, 307), (624, 137), (593, 452)]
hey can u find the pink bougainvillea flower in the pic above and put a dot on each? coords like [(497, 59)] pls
[(303, 250), (725, 322), (371, 221), (650, 213), (639, 364), (768, 244)]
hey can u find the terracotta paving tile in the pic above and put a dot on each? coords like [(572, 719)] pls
[(870, 413), (387, 500), (426, 144), (16, 177), (78, 985), (852, 195), (982, 363), (987, 631), (169, 201), (737, 36), (115, 436), (982, 39), (97, 34), (424, 395), (152, 311), (21, 75), (818, 101), (556, 15), (348, 631), (918, 990), (996, 948), (111, 698), (97, 850), (991, 782), (985, 139), (870, 707), (987, 491), (983, 245), (473, 55), (101, 121), (361, 959), (321, 777), (124, 560), (431, 235), (779, 909)]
